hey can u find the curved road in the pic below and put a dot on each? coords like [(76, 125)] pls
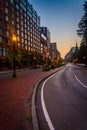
[(62, 100)]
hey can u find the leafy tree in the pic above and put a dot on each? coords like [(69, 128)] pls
[(82, 32), (16, 54)]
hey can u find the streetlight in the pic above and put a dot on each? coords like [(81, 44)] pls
[(14, 39)]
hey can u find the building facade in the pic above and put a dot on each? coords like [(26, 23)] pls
[(53, 50), (46, 33), (69, 55), (18, 17)]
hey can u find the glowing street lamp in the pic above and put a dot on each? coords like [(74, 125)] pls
[(14, 39)]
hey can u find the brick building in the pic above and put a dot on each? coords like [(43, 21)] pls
[(18, 17)]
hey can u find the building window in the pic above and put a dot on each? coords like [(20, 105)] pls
[(6, 10), (21, 22), (0, 31), (0, 39), (16, 12), (25, 41), (0, 51), (13, 16), (6, 25), (18, 38), (0, 22), (18, 32), (25, 36), (17, 19), (7, 33), (22, 28), (7, 41), (0, 13), (22, 40), (6, 18), (26, 47), (17, 6), (12, 22), (4, 52), (12, 8), (18, 44), (17, 25), (22, 34), (12, 1)]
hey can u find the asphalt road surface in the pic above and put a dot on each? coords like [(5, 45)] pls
[(61, 101)]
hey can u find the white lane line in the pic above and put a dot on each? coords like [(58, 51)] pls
[(80, 82), (49, 122)]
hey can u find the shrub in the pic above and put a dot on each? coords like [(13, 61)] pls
[(52, 67), (46, 68)]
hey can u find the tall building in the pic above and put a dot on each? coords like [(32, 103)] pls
[(43, 43), (18, 17), (70, 54), (46, 33), (53, 50)]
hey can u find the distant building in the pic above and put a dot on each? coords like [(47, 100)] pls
[(70, 54), (46, 33), (45, 42), (53, 50)]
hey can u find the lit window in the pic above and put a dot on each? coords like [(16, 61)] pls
[(22, 40), (18, 38), (22, 34), (18, 32), (25, 41)]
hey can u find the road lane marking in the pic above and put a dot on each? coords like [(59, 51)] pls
[(80, 81), (49, 122)]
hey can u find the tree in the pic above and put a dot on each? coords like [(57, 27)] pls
[(16, 54), (82, 32)]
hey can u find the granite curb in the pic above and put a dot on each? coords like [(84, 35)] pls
[(34, 115)]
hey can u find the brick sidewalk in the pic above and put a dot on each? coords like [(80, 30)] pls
[(15, 100)]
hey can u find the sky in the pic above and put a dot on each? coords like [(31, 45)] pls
[(61, 17)]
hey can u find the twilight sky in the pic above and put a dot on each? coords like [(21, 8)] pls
[(62, 18)]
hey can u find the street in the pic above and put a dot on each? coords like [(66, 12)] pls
[(61, 101)]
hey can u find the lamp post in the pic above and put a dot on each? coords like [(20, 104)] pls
[(14, 39)]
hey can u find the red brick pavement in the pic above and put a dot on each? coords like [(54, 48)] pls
[(14, 100)]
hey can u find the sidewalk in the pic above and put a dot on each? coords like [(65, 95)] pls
[(15, 100)]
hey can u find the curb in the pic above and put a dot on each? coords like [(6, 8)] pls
[(34, 114)]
